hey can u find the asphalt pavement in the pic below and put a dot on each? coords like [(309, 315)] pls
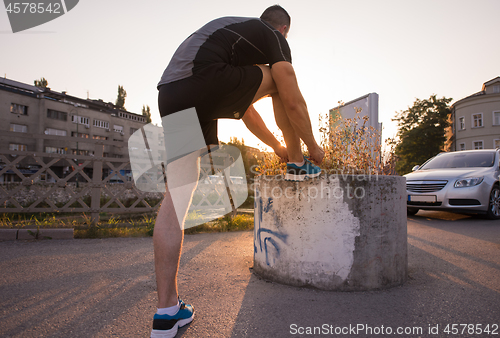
[(106, 288)]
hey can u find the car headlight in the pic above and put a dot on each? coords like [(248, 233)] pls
[(468, 182)]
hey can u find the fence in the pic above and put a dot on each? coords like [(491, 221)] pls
[(72, 183)]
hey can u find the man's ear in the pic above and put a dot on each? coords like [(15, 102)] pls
[(283, 30)]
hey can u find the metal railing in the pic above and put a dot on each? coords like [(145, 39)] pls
[(85, 182)]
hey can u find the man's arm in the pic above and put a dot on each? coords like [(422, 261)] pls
[(295, 106), (256, 125)]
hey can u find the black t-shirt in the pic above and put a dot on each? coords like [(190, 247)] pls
[(235, 41)]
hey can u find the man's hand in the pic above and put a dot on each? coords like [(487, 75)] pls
[(282, 153), (316, 154)]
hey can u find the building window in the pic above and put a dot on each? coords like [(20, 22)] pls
[(496, 144), (57, 115), (18, 128), (477, 120), (496, 118), (462, 146), (478, 145), (133, 130), (57, 132), (54, 150), (496, 89), (461, 123), (99, 137), (80, 120), (81, 135), (82, 152), (101, 124), (18, 147), (118, 129), (16, 108)]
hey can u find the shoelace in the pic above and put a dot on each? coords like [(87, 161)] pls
[(182, 305)]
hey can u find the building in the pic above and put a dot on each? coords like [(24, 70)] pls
[(475, 120), (364, 106), (27, 111)]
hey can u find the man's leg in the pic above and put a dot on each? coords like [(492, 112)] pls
[(168, 233), (292, 140), (167, 240)]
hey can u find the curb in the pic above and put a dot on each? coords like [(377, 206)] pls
[(8, 234), (25, 234)]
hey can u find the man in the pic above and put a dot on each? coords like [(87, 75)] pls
[(221, 70)]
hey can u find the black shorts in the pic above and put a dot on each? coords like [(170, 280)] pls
[(217, 91)]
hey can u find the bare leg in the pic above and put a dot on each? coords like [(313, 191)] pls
[(167, 240), (292, 140), (182, 176)]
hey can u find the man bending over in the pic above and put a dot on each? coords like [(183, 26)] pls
[(221, 70)]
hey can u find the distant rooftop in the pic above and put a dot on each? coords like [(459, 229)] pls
[(490, 82), (482, 92), (15, 84), (47, 93)]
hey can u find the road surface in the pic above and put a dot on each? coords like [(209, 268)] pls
[(105, 288)]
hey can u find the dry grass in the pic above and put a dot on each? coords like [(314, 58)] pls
[(350, 145), (224, 224), (120, 226)]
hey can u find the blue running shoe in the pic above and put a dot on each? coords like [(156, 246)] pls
[(165, 326), (296, 173)]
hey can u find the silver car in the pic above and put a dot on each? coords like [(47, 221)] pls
[(461, 181)]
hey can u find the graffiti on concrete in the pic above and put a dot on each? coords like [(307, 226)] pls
[(265, 238)]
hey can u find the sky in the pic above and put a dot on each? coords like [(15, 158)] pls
[(341, 50)]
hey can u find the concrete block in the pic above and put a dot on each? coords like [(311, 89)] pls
[(8, 234), (337, 232), (24, 234)]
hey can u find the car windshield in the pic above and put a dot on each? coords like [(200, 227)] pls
[(460, 160)]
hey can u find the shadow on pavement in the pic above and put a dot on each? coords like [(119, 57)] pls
[(61, 288), (474, 226), (445, 286)]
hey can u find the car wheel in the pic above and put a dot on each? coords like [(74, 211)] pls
[(494, 205), (411, 211)]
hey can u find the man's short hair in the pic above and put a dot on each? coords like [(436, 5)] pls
[(276, 16)]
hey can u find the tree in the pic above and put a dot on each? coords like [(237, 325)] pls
[(120, 99), (146, 112), (421, 132), (42, 83)]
